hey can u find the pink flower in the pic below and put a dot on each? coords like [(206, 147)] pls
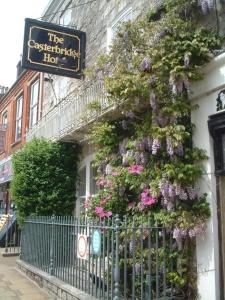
[(98, 210), (131, 204), (109, 184), (146, 198), (108, 214), (101, 213), (103, 201), (135, 169), (101, 182), (115, 173)]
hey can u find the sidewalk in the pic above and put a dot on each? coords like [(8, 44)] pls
[(14, 286)]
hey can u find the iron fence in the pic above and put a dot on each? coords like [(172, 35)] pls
[(10, 234), (108, 259)]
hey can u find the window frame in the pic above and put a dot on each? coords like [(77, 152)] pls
[(5, 124), (34, 105), (122, 17), (66, 10), (18, 118), (86, 163)]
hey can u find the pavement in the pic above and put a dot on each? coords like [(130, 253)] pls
[(14, 285)]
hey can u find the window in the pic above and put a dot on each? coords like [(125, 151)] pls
[(65, 18), (34, 94), (124, 17), (19, 111), (87, 184), (5, 119)]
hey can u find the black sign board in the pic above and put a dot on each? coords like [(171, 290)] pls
[(53, 49)]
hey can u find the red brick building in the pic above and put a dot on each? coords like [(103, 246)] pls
[(20, 109)]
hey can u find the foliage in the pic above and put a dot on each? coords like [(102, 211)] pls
[(146, 161), (44, 178)]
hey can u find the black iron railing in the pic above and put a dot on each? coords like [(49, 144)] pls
[(108, 259)]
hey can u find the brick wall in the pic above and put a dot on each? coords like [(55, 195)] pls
[(8, 103)]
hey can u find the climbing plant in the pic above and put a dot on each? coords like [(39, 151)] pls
[(147, 164), (45, 175)]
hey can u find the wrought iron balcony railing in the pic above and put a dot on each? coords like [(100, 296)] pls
[(71, 114)]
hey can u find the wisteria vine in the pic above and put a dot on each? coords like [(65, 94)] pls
[(147, 164)]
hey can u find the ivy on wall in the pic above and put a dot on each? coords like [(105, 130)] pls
[(44, 178), (147, 164)]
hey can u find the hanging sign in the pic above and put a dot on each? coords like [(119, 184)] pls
[(82, 246), (96, 242), (53, 49)]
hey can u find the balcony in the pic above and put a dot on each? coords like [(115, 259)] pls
[(70, 118)]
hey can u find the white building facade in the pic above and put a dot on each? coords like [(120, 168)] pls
[(65, 117)]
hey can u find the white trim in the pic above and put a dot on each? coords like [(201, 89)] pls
[(117, 21), (85, 163)]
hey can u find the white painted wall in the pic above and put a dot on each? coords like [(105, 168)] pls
[(205, 94)]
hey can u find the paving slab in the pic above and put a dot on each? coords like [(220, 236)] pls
[(14, 285)]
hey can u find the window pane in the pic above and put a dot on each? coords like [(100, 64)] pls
[(34, 103), (65, 18), (82, 182), (33, 116), (5, 118), (34, 93), (19, 105), (18, 129), (19, 111), (126, 16)]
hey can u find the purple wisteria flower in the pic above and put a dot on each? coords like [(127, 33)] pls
[(164, 188), (169, 145), (153, 101), (156, 145), (145, 65), (178, 85), (148, 143), (192, 192), (206, 5), (132, 246), (179, 233), (171, 191), (137, 157), (177, 189), (183, 195), (122, 147), (159, 36), (129, 114), (124, 124), (144, 158), (152, 80), (108, 169), (179, 150), (199, 229), (186, 60)]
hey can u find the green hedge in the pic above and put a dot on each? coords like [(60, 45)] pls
[(44, 180)]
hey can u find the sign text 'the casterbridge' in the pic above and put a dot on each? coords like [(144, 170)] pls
[(53, 49)]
